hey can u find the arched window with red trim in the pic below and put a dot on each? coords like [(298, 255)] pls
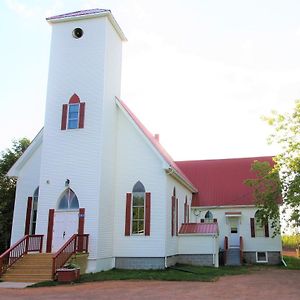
[(73, 114)]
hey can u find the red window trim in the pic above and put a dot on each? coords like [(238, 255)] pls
[(128, 215), (28, 216), (147, 213), (65, 113)]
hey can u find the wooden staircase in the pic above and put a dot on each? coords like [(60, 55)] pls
[(30, 268)]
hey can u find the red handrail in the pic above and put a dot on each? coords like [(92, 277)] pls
[(29, 243), (241, 249), (76, 243)]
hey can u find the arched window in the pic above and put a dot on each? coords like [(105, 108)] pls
[(138, 208), (34, 210), (73, 114), (68, 200), (208, 217)]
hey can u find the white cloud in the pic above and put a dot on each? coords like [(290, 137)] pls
[(20, 8)]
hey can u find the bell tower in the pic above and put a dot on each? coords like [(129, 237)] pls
[(80, 121)]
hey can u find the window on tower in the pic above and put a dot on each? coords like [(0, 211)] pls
[(73, 114)]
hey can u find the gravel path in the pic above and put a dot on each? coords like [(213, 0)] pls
[(264, 284)]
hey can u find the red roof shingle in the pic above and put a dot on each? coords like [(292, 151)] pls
[(221, 182)]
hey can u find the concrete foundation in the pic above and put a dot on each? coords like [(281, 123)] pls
[(273, 257)]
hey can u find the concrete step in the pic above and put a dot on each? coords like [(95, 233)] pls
[(233, 257)]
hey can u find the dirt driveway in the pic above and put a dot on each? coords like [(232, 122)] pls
[(265, 284)]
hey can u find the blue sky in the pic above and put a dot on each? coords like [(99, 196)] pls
[(199, 73)]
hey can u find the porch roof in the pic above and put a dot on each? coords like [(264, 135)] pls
[(200, 228)]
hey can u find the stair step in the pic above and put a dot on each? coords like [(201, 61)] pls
[(30, 268), (29, 278)]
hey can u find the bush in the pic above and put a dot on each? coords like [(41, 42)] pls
[(291, 241)]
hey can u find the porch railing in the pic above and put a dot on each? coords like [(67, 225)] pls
[(29, 243), (76, 243), (225, 249), (241, 249)]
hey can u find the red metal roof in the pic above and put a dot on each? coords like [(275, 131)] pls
[(155, 142), (221, 182), (79, 13), (203, 228)]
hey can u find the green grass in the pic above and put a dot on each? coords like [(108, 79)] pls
[(177, 273), (293, 263)]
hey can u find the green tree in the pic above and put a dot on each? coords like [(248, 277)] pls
[(287, 135), (266, 188), (8, 188)]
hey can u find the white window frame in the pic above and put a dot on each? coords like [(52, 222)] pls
[(73, 119), (262, 261)]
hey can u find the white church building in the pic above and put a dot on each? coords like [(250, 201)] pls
[(94, 169)]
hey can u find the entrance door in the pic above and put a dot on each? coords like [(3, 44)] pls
[(234, 236), (65, 225)]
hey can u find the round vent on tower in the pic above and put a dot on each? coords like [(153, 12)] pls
[(77, 33)]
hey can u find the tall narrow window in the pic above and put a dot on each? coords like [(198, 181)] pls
[(68, 200), (138, 209), (259, 228), (73, 114), (34, 210)]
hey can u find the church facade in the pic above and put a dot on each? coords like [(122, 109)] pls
[(94, 168)]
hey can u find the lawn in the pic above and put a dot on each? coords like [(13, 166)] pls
[(176, 273), (293, 263)]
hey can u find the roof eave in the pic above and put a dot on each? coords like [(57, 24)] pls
[(199, 233), (90, 16), (15, 169), (172, 172)]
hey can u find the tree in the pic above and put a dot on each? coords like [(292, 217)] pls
[(287, 135), (287, 163), (266, 188), (8, 188)]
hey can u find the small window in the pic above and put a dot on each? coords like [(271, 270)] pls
[(138, 208), (68, 200), (261, 257), (209, 217), (77, 33), (234, 230), (73, 116)]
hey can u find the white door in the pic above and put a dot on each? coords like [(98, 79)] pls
[(65, 225), (234, 235)]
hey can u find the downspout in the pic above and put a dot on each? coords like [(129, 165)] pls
[(283, 261)]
